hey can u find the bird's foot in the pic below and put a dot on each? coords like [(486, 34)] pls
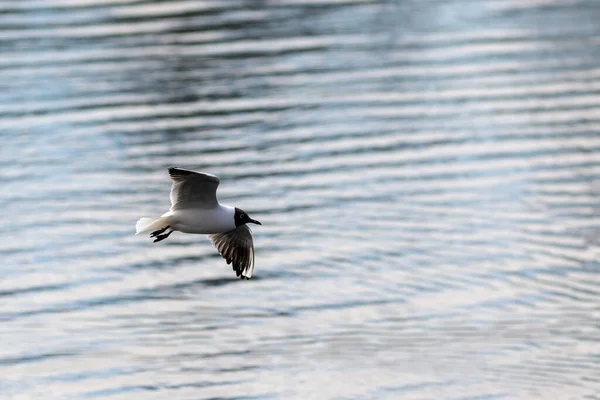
[(162, 237), (158, 232)]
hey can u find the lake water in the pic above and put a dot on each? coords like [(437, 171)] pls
[(427, 174)]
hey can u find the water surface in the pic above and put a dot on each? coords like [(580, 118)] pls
[(427, 174)]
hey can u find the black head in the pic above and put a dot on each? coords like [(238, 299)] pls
[(241, 217)]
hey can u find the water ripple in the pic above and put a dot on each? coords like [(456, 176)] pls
[(426, 173)]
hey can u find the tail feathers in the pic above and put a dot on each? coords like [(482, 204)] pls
[(150, 224)]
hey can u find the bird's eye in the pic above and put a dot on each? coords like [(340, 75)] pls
[(243, 216)]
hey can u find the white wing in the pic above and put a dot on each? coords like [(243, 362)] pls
[(237, 248), (192, 189)]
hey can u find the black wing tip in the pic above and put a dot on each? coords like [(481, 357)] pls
[(242, 276), (175, 171), (239, 272)]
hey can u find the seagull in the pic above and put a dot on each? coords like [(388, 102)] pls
[(195, 209)]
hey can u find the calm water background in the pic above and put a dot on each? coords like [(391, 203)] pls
[(427, 173)]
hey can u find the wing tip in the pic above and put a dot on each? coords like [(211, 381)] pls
[(243, 272), (180, 173), (176, 171)]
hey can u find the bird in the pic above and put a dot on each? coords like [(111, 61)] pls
[(195, 209)]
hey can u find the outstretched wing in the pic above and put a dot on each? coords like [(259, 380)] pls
[(237, 249), (192, 189)]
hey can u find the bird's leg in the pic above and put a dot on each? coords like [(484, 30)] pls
[(158, 232), (163, 236)]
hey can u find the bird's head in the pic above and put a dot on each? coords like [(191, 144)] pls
[(241, 217)]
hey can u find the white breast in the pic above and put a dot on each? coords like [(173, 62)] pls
[(206, 221)]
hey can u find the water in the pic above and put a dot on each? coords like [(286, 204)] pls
[(427, 174)]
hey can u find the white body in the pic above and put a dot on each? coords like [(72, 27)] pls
[(206, 221), (202, 220)]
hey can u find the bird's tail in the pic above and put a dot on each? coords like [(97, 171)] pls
[(150, 224)]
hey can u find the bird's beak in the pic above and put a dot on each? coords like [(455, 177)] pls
[(256, 222)]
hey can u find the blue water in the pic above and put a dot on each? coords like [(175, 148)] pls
[(427, 174)]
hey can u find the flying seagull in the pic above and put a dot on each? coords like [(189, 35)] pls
[(195, 209)]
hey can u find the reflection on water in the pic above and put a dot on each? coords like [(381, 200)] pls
[(427, 174)]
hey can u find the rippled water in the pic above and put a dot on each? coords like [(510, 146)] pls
[(427, 174)]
